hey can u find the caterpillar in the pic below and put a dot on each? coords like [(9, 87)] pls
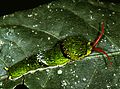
[(64, 51)]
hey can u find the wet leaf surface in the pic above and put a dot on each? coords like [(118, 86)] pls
[(26, 32)]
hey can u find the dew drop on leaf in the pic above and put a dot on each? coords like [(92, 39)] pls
[(35, 14), (48, 6), (113, 12), (28, 65), (71, 86), (59, 71), (47, 70), (38, 45), (76, 76), (38, 78), (102, 14), (99, 9), (32, 30), (91, 11), (50, 10), (88, 85), (113, 23), (48, 38), (0, 83), (13, 60), (78, 81), (75, 83), (64, 83), (35, 25), (30, 15), (1, 42), (35, 32), (84, 79), (61, 10), (108, 86), (109, 14), (114, 74)]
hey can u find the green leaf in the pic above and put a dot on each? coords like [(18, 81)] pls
[(27, 32)]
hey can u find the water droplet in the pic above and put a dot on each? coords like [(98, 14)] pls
[(76, 76), (61, 10), (63, 6), (14, 26), (113, 3), (48, 38), (101, 3), (13, 60), (108, 86), (91, 17), (75, 64), (84, 79), (113, 12), (35, 14), (48, 6), (112, 45), (99, 9), (40, 22), (32, 30), (5, 16), (30, 15), (91, 11), (102, 14), (28, 64), (8, 56), (47, 70), (75, 82), (38, 45), (64, 83), (49, 17), (38, 78), (35, 25), (114, 74), (88, 85), (113, 23), (71, 86), (59, 71), (1, 84), (50, 10), (12, 15), (109, 14), (73, 1), (1, 42), (71, 70), (35, 32)]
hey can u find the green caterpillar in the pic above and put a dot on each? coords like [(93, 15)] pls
[(66, 50)]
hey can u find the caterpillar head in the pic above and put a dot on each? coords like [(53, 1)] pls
[(76, 47)]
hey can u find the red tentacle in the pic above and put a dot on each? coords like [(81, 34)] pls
[(102, 51), (96, 42), (99, 37)]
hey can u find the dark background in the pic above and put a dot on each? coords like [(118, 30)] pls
[(10, 6)]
